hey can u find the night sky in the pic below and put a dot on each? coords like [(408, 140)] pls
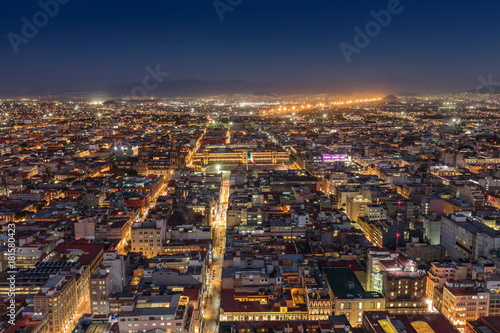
[(430, 46)]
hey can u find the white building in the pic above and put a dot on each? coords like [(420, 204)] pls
[(467, 239)]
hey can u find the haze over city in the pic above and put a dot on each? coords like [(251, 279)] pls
[(428, 47), (248, 166)]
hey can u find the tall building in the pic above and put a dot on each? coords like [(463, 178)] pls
[(398, 279), (148, 237), (99, 291), (59, 298), (461, 304), (432, 228), (404, 292), (493, 286), (391, 232), (108, 280), (467, 239), (355, 206), (118, 266), (439, 274)]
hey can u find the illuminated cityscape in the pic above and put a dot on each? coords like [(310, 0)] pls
[(210, 216), (237, 166)]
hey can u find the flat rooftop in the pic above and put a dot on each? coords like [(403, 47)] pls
[(339, 278)]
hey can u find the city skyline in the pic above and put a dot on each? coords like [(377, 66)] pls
[(249, 166)]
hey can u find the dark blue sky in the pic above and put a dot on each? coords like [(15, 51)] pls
[(430, 46)]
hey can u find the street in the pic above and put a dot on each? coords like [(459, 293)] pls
[(126, 239), (211, 308)]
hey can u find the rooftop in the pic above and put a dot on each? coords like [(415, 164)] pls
[(344, 284)]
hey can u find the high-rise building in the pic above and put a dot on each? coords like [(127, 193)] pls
[(59, 298)]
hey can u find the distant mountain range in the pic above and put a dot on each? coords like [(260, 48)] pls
[(190, 88), (406, 94), (29, 93), (198, 88), (178, 88), (204, 88), (492, 89)]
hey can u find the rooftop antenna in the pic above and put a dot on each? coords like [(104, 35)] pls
[(397, 225)]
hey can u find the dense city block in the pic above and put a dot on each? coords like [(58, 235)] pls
[(251, 214)]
